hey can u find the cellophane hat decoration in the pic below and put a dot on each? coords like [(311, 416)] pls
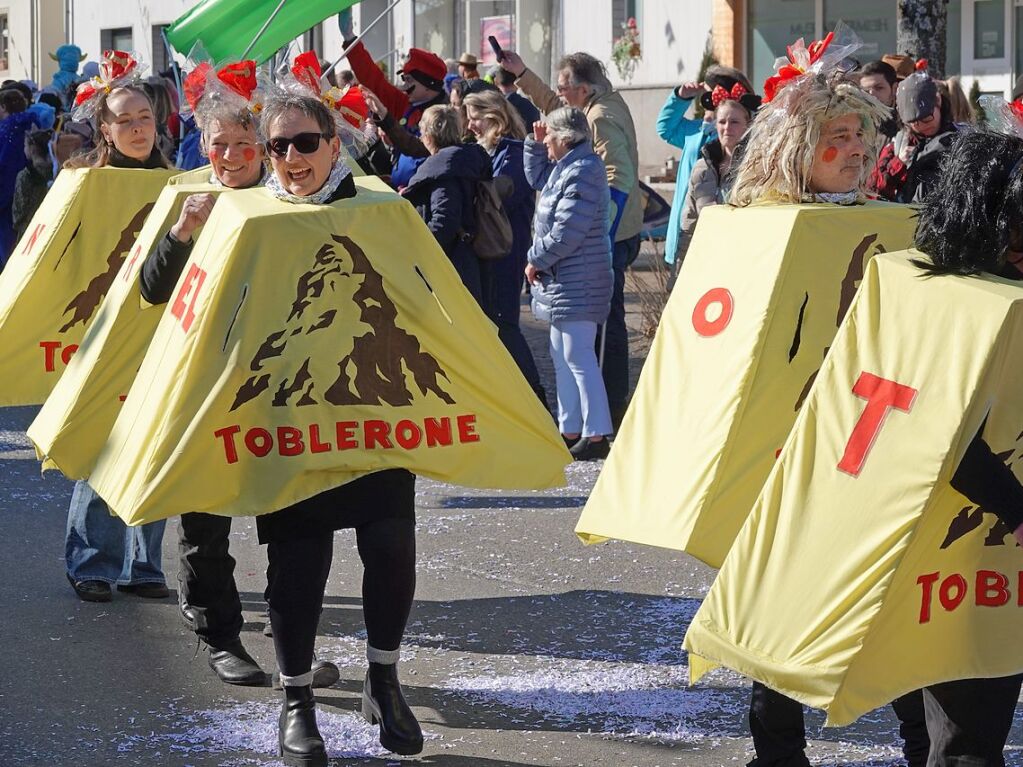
[(230, 89), (116, 70), (306, 79), (822, 58), (1003, 116)]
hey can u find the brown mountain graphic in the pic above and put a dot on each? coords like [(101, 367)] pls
[(867, 248), (970, 518), (374, 371), (86, 302)]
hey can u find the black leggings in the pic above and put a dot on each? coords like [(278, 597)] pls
[(298, 577)]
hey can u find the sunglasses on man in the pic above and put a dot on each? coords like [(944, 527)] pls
[(304, 143)]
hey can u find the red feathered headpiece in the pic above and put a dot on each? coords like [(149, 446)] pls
[(117, 68), (800, 59), (238, 77)]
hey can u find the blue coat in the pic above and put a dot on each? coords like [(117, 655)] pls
[(571, 238), (690, 136), (12, 161), (443, 190), (502, 279)]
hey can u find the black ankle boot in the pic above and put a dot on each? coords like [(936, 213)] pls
[(297, 734), (383, 703), (234, 665)]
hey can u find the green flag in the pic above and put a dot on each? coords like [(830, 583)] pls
[(227, 27)]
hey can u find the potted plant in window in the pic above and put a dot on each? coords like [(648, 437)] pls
[(626, 52)]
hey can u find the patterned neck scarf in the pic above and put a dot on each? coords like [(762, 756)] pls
[(338, 173), (836, 198)]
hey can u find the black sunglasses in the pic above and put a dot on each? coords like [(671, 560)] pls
[(304, 143)]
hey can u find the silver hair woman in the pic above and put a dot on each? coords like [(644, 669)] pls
[(818, 139), (569, 125), (569, 270)]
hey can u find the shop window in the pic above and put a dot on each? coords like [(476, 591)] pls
[(872, 20), (621, 12), (435, 27), (989, 29), (116, 39), (485, 18), (4, 41), (774, 24)]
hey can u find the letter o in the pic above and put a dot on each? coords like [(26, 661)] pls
[(259, 441), (952, 591), (407, 434), (716, 296)]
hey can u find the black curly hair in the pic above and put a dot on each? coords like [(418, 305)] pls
[(974, 214)]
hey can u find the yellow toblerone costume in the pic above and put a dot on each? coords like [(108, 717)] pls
[(61, 270), (308, 345), (860, 574), (757, 303), (76, 418)]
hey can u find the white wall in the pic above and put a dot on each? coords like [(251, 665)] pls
[(91, 16), (673, 35), (29, 46)]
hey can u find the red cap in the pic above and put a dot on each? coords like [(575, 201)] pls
[(353, 106), (430, 64)]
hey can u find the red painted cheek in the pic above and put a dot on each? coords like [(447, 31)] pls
[(250, 154), (830, 154), (214, 154)]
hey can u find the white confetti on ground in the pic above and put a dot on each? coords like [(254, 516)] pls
[(252, 728)]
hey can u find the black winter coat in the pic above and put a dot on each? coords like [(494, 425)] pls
[(443, 191)]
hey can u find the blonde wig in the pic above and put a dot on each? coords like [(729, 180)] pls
[(778, 157)]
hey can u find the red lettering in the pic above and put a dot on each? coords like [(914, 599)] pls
[(315, 446), (438, 432), (375, 433), (50, 354), (408, 435), (131, 263), (992, 589), (926, 582), (707, 327), (32, 238), (259, 441), (1019, 589), (186, 313), (68, 352), (289, 440), (952, 591), (346, 435), (230, 449), (467, 429), (882, 395)]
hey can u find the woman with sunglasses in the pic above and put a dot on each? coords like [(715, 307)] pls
[(303, 146)]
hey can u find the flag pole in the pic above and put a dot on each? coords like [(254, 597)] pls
[(362, 34), (263, 29)]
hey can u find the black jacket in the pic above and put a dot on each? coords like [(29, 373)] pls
[(443, 191)]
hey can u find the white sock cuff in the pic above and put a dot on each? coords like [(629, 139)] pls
[(386, 657), (302, 680)]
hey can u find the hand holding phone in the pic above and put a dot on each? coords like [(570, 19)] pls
[(498, 51)]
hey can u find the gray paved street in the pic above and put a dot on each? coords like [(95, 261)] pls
[(524, 647)]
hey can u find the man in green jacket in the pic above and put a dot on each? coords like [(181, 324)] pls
[(582, 83)]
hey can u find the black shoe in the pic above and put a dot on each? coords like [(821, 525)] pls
[(325, 674), (91, 591), (588, 450), (383, 704), (298, 738), (233, 665), (146, 590), (570, 442)]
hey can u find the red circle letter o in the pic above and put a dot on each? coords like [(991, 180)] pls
[(708, 328)]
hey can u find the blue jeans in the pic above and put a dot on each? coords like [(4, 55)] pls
[(582, 399), (100, 547)]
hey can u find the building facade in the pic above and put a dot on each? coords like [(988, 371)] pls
[(984, 40), (30, 30)]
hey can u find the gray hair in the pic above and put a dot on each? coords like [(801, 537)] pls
[(279, 104), (569, 124), (584, 69)]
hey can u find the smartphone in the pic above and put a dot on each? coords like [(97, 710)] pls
[(498, 51)]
